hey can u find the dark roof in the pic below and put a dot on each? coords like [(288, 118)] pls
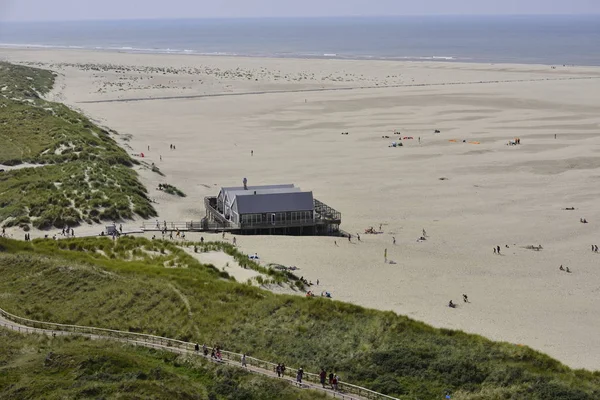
[(274, 202), (264, 187)]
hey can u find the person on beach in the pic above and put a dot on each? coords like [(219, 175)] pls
[(561, 268), (424, 233), (451, 304), (148, 148), (465, 298), (568, 270), (322, 376), (495, 250), (385, 255), (498, 248), (358, 237), (234, 241), (251, 153), (335, 242), (349, 237), (394, 240)]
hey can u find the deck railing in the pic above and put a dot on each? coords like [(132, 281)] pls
[(324, 212), (179, 346)]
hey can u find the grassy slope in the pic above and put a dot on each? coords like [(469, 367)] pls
[(85, 177), (35, 367), (380, 350)]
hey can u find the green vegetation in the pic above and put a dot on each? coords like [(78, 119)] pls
[(165, 187), (79, 172), (126, 286), (74, 368)]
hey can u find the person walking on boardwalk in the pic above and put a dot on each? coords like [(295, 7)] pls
[(322, 376), (331, 379), (299, 376), (244, 361), (197, 348), (205, 350), (283, 370), (278, 370), (335, 383)]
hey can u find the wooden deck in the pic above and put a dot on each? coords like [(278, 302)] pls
[(326, 222)]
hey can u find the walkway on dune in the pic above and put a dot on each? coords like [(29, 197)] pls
[(199, 96), (310, 382)]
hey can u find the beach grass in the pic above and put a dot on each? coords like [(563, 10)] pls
[(131, 284), (170, 189), (75, 171), (35, 366)]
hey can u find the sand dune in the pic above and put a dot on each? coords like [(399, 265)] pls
[(492, 194)]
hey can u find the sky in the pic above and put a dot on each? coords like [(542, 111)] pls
[(62, 10)]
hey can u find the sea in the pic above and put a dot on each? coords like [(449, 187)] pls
[(550, 40)]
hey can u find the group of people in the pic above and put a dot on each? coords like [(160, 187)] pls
[(465, 299), (214, 354), (333, 379), (66, 231), (280, 370), (567, 270)]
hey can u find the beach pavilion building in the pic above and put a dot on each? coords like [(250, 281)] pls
[(271, 209)]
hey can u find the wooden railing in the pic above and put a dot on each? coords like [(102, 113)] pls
[(182, 347)]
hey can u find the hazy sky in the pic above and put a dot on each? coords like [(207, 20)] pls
[(38, 10)]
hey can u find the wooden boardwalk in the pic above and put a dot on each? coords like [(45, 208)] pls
[(310, 382)]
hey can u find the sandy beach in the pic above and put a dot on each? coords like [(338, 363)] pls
[(465, 185)]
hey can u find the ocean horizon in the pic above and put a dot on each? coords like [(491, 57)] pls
[(550, 40)]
